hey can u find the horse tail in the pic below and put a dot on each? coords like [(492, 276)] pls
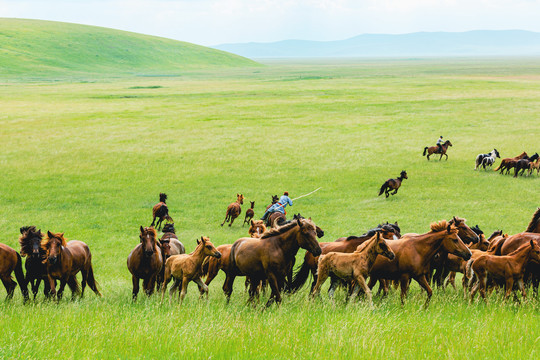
[(469, 270), (205, 265), (383, 187), (91, 281), (425, 150), (19, 275), (498, 167), (232, 258), (300, 277)]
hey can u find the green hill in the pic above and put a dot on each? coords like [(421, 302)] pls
[(36, 48)]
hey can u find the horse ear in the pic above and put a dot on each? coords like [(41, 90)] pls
[(198, 241), (252, 222), (448, 228), (49, 234), (532, 243), (21, 230), (203, 239), (142, 229), (310, 218), (395, 223)]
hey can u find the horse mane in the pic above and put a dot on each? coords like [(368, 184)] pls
[(534, 221), (162, 197), (26, 233), (169, 228), (442, 226), (394, 226), (151, 230), (363, 246), (476, 230), (60, 236), (279, 230)]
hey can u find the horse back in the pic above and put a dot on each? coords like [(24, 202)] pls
[(249, 255), (8, 259), (513, 242)]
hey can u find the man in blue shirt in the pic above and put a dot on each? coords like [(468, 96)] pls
[(279, 206)]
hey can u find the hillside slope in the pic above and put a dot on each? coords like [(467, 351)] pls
[(41, 48)]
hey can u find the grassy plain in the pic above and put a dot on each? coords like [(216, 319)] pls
[(90, 157)]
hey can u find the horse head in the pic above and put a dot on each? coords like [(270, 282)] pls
[(53, 244), (453, 244), (148, 238), (447, 142), (495, 153), (275, 199), (382, 247), (169, 228), (240, 199), (535, 252), (307, 236), (403, 175), (30, 241), (208, 248), (465, 232), (165, 246), (257, 228)]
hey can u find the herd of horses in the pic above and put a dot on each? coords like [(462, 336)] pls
[(266, 258)]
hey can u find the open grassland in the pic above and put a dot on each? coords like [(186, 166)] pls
[(90, 158)]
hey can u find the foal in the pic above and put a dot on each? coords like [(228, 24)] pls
[(233, 210), (352, 266), (188, 267), (250, 213), (393, 184)]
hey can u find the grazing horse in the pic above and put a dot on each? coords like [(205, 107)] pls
[(36, 270), (275, 199), (270, 257), (10, 261), (249, 213), (188, 267), (233, 210), (345, 245), (414, 254), (64, 261), (486, 160), (524, 164), (509, 267), (352, 266), (145, 261), (508, 163), (435, 150), (161, 211), (169, 245), (257, 228), (393, 184)]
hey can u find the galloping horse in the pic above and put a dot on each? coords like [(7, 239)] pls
[(535, 165), (145, 261), (187, 267), (11, 261), (414, 254), (234, 209), (271, 256), (435, 150), (250, 213), (161, 211), (352, 266), (36, 270), (64, 260), (508, 163), (393, 184), (169, 245), (345, 245), (486, 159), (524, 164)]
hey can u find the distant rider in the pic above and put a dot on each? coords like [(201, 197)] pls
[(284, 200), (439, 144)]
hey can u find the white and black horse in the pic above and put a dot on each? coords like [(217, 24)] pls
[(486, 159)]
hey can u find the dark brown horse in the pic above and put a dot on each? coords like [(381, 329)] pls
[(249, 213), (145, 261), (524, 164), (275, 199), (64, 261), (169, 245), (161, 211), (392, 184), (36, 270), (435, 150), (10, 261), (414, 254), (509, 163), (234, 209), (271, 256), (344, 244)]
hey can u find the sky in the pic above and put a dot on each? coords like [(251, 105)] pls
[(213, 22)]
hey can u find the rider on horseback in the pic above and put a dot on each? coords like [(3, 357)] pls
[(440, 142), (279, 206)]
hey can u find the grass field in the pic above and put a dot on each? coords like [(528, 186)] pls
[(90, 158)]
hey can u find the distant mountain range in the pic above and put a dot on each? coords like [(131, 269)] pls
[(470, 43)]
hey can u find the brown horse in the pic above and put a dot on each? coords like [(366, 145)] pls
[(392, 184), (256, 229), (10, 261), (234, 209), (250, 213), (275, 199), (509, 163), (161, 211), (145, 261), (187, 267), (36, 270), (414, 254), (524, 164), (169, 245), (344, 244), (64, 261), (276, 219), (435, 150), (271, 257), (534, 224), (534, 165), (352, 266), (509, 267)]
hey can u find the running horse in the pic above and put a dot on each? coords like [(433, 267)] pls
[(36, 270), (234, 209), (161, 211), (509, 163), (10, 261), (392, 184), (145, 261), (435, 150), (270, 257)]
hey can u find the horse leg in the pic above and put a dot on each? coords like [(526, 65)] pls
[(74, 287), (135, 281), (183, 292), (84, 274), (509, 287), (152, 284), (321, 278), (52, 283), (10, 286), (213, 270), (63, 283), (232, 220), (404, 282), (153, 222), (424, 284), (203, 289), (228, 286), (226, 216), (275, 296)]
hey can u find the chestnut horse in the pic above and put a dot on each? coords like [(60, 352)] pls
[(509, 267), (271, 256), (392, 184), (352, 266), (414, 254), (10, 261), (145, 261), (234, 209), (250, 213), (256, 229), (36, 270), (187, 267), (161, 211), (345, 245), (435, 150), (64, 261), (508, 163)]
